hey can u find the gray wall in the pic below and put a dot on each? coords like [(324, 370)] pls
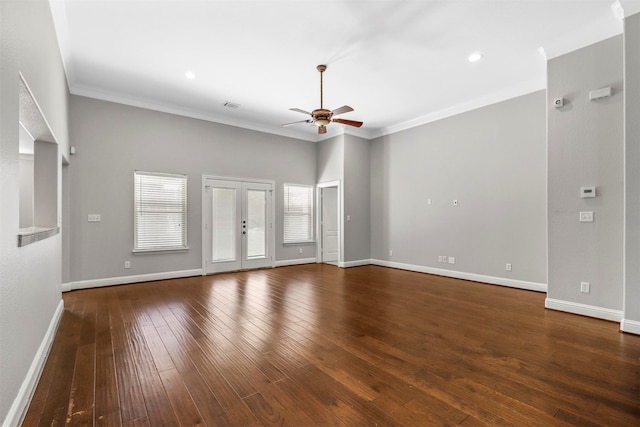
[(113, 140), (30, 276), (330, 159), (346, 158), (492, 160), (585, 147), (632, 159), (357, 199)]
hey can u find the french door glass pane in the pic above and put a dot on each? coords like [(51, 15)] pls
[(223, 225), (256, 224)]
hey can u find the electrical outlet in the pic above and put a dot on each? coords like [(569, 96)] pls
[(299, 250), (585, 287), (127, 264), (455, 202), (452, 260), (93, 218), (444, 259), (508, 266), (440, 258), (390, 252)]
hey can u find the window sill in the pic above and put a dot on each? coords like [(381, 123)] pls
[(29, 235), (308, 242), (158, 251)]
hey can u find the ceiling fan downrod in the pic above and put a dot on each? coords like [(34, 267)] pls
[(321, 68)]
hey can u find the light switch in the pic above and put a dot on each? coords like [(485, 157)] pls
[(94, 218), (588, 192), (586, 216)]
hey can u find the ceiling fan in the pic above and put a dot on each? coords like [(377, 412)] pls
[(321, 117)]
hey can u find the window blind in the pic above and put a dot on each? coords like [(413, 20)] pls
[(298, 213), (160, 211)]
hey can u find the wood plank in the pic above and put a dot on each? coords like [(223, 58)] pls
[(183, 406), (156, 400)]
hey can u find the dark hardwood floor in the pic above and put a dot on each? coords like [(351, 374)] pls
[(318, 345)]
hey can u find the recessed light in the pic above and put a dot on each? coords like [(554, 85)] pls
[(190, 75), (475, 57)]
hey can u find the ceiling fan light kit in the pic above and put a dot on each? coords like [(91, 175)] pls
[(321, 117)]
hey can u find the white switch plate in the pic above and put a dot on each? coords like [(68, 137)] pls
[(127, 264), (452, 260), (440, 258), (588, 192), (390, 252), (586, 216), (455, 202), (585, 287), (93, 218), (508, 266)]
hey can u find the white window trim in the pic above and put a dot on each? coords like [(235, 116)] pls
[(159, 249), (311, 240)]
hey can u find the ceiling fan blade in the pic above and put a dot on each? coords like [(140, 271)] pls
[(293, 123), (300, 111), (322, 129), (348, 122), (343, 109)]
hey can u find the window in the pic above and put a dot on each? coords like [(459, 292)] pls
[(160, 212), (298, 213)]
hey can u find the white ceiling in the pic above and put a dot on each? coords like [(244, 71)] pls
[(397, 63)]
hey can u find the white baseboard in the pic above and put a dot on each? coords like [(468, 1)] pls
[(356, 263), (631, 326), (584, 309), (502, 281), (299, 261), (20, 404), (123, 280)]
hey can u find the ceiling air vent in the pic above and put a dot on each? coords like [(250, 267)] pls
[(231, 105)]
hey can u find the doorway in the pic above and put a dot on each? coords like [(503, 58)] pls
[(237, 225), (329, 224)]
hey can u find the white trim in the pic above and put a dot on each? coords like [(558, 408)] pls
[(123, 280), (631, 326), (357, 263), (118, 98), (299, 261), (584, 309), (502, 281), (18, 409), (474, 104)]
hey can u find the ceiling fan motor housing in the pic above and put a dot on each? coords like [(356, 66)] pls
[(321, 116)]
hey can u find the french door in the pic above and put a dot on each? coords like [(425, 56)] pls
[(237, 224)]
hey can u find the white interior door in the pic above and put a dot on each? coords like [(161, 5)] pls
[(237, 224), (330, 225)]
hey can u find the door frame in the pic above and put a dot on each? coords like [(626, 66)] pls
[(320, 243), (271, 241)]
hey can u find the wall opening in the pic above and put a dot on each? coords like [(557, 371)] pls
[(38, 173)]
